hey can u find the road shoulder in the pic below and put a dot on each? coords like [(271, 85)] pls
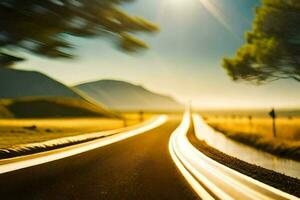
[(280, 181)]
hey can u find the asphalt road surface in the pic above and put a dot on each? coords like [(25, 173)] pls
[(136, 168)]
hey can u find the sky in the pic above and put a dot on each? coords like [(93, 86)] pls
[(184, 59)]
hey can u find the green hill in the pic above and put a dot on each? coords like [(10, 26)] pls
[(19, 83), (123, 96), (50, 107)]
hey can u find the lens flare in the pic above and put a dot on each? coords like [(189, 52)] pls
[(216, 12)]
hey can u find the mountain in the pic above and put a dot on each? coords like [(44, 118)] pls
[(124, 96), (19, 83), (49, 107), (30, 94)]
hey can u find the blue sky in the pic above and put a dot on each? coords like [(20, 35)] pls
[(184, 59)]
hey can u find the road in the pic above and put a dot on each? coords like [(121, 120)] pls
[(139, 167)]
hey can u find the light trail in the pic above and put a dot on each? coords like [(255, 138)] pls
[(81, 148), (183, 127), (212, 180)]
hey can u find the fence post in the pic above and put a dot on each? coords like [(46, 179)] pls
[(273, 116), (141, 116)]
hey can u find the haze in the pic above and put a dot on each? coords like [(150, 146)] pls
[(184, 59)]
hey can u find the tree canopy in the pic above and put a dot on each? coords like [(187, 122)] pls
[(272, 50), (42, 27)]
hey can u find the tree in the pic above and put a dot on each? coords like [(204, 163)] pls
[(42, 27), (272, 50)]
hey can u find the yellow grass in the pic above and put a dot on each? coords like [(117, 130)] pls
[(258, 133), (14, 132), (287, 129), (136, 116)]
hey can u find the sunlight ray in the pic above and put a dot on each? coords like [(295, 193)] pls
[(217, 13)]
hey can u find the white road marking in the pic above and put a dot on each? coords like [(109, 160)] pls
[(5, 168)]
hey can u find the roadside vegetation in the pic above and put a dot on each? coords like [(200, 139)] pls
[(271, 50), (15, 132), (257, 132)]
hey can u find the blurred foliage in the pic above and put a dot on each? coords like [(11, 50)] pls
[(42, 27), (272, 50)]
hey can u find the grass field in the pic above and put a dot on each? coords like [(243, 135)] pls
[(14, 132), (258, 133)]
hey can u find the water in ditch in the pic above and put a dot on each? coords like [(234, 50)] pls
[(244, 152)]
